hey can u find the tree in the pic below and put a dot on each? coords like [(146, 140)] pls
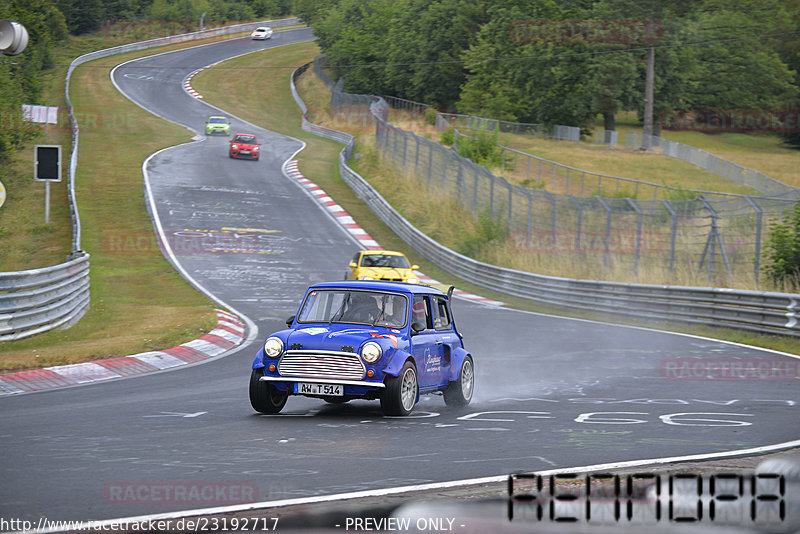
[(740, 74), (354, 37), (21, 79), (547, 84), (425, 42)]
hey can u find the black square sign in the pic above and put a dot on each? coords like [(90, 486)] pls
[(47, 163)]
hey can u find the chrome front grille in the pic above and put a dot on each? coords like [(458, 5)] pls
[(321, 364)]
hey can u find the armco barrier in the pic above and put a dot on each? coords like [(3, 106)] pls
[(38, 300), (762, 312)]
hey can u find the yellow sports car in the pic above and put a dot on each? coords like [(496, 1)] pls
[(382, 265)]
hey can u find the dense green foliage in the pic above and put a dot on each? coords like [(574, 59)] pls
[(21, 76), (782, 250), (521, 60)]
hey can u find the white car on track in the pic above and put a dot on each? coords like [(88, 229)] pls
[(261, 33)]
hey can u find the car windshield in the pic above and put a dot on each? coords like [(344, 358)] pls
[(217, 120), (384, 260), (375, 308), (245, 139)]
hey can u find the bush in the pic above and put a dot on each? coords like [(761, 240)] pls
[(481, 147), (448, 136), (430, 116), (489, 231), (782, 250)]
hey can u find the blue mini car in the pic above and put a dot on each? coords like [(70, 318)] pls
[(354, 339)]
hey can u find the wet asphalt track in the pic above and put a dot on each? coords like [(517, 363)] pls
[(550, 392)]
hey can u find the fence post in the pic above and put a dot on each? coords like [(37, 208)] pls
[(405, 147), (475, 189), (673, 234), (638, 235), (759, 223), (580, 220), (459, 181), (416, 153), (607, 244), (529, 194), (491, 196), (552, 200), (430, 162), (714, 239), (510, 203), (444, 170)]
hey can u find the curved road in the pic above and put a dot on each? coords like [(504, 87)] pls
[(550, 393)]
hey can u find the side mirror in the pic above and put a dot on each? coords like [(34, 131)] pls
[(414, 267), (290, 320), (417, 327), (353, 265)]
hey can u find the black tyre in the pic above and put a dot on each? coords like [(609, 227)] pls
[(459, 392), (264, 397), (400, 394)]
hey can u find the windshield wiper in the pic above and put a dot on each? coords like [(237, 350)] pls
[(383, 310), (340, 311)]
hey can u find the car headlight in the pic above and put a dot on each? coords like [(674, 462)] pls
[(365, 278), (371, 352), (234, 147), (413, 280), (273, 347)]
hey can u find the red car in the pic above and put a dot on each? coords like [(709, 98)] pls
[(244, 146)]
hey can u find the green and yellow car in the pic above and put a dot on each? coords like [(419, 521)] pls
[(216, 125)]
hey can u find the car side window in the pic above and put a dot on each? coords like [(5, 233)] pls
[(441, 314), (420, 311), (355, 258)]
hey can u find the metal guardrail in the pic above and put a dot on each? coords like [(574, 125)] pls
[(762, 312), (39, 300)]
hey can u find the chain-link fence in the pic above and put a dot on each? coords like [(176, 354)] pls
[(712, 234)]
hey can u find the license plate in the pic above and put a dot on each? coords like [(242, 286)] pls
[(334, 390), (245, 151)]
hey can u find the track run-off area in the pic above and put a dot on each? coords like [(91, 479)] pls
[(551, 393)]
